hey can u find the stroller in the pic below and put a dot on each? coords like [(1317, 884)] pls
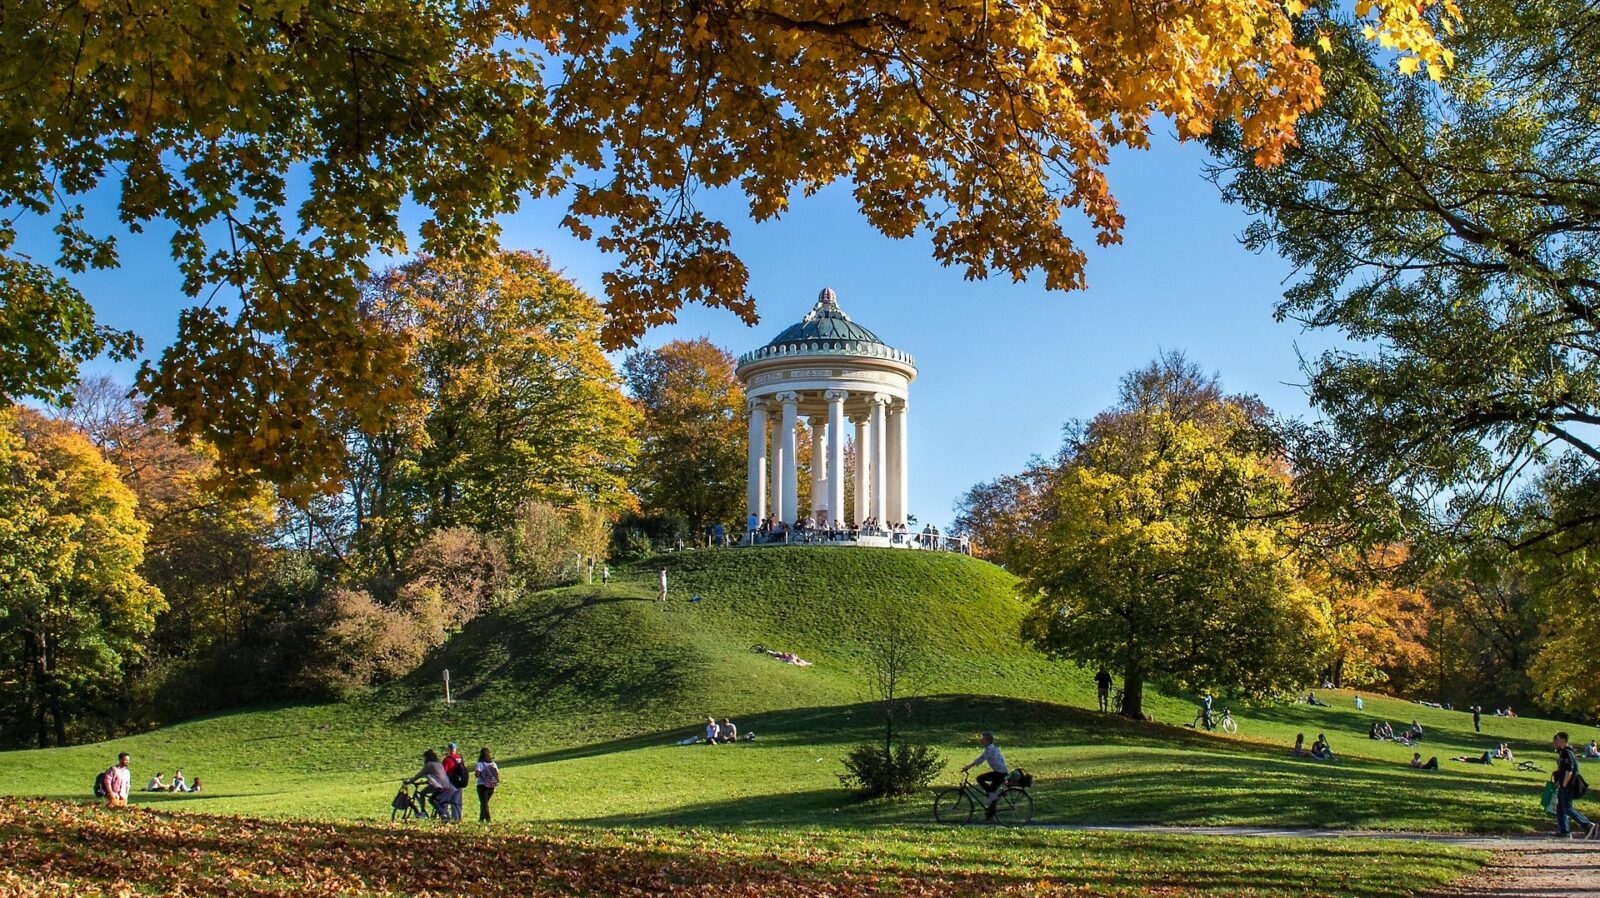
[(412, 801)]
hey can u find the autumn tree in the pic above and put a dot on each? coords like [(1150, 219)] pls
[(692, 439), (74, 612), (982, 125), (1159, 549), (515, 402), (1380, 624), (997, 515), (1447, 227)]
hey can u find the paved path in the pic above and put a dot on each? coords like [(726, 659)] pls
[(1523, 866)]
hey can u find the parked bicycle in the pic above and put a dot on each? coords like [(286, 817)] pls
[(1224, 723), (956, 805)]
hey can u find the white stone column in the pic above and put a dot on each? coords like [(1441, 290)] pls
[(835, 399), (819, 465), (863, 450), (756, 486), (791, 479), (880, 459), (900, 505), (775, 475)]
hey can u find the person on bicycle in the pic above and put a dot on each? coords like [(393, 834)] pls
[(1205, 710), (436, 787), (996, 777)]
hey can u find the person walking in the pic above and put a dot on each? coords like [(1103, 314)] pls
[(1566, 778), (662, 596), (1102, 682), (117, 781), (605, 574), (1477, 718), (488, 777)]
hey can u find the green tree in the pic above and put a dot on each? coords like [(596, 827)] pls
[(693, 435), (1159, 549), (983, 125), (74, 611), (516, 402), (1451, 230)]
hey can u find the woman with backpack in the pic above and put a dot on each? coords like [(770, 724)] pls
[(488, 777)]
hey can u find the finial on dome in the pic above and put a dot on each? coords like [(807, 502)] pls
[(827, 297)]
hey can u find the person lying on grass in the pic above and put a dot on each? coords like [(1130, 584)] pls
[(1484, 758), (1416, 761)]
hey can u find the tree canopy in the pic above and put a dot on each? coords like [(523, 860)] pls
[(1449, 229), (73, 606), (692, 443), (281, 140), (1159, 546)]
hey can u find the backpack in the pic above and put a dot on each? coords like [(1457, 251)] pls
[(1580, 786), (490, 776), (1019, 778), (102, 785), (458, 775)]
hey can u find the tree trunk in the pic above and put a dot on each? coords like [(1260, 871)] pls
[(1133, 692)]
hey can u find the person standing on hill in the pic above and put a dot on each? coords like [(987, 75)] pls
[(1477, 718), (1567, 779), (117, 780), (662, 596), (488, 778), (996, 777), (1102, 682), (605, 574)]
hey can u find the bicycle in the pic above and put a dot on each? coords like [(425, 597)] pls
[(412, 803), (1225, 724), (1012, 807)]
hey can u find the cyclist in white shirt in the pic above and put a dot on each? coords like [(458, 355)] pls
[(996, 777)]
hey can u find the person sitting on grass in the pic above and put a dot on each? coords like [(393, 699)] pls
[(1416, 761), (156, 785), (1299, 750), (1311, 699), (711, 731), (178, 783), (1593, 751), (1385, 731), (1503, 753), (727, 732), (1320, 749), (1415, 732), (196, 787), (996, 777)]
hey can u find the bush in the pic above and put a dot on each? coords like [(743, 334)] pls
[(906, 769), (550, 546), (454, 575), (363, 644)]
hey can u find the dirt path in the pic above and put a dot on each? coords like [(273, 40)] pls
[(1523, 866)]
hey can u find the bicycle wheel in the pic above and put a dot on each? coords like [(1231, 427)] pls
[(1014, 807), (953, 806), (1228, 726)]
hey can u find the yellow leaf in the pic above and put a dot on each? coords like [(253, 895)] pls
[(1324, 43), (1409, 65), (1435, 71), (1362, 8), (1295, 7)]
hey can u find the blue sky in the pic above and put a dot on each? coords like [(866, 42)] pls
[(1002, 366)]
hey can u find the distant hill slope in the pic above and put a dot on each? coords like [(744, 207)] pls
[(584, 691)]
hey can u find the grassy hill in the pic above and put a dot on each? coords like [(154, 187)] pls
[(583, 693)]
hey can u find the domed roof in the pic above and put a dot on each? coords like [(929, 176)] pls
[(825, 323)]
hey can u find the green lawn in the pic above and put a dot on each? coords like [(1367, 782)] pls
[(57, 849), (583, 692)]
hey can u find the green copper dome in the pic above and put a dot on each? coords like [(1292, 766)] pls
[(825, 323)]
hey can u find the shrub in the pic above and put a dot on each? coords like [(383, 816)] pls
[(362, 644), (907, 768), (455, 574), (549, 545)]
